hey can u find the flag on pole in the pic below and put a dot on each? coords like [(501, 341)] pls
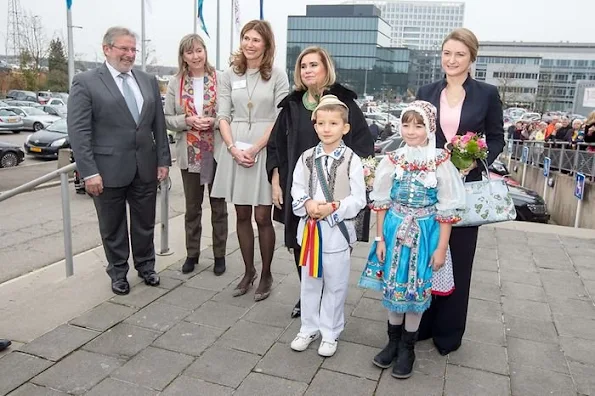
[(261, 9), (203, 26), (68, 4), (236, 12)]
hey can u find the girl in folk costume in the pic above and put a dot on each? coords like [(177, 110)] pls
[(417, 192), (190, 111)]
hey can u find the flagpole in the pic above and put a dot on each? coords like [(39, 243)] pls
[(218, 34), (143, 41), (70, 43), (195, 2), (231, 27)]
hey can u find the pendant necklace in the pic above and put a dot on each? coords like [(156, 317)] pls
[(250, 105)]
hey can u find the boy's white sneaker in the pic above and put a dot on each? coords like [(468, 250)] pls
[(301, 342), (327, 348)]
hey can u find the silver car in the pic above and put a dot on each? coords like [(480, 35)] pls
[(10, 121), (33, 118)]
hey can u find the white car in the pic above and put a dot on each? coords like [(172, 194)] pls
[(530, 117), (34, 118), (55, 102)]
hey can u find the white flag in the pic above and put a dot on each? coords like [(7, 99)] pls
[(236, 11)]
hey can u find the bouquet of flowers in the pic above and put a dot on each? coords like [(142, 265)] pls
[(466, 149), (369, 164)]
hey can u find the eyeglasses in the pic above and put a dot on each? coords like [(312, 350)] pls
[(126, 49)]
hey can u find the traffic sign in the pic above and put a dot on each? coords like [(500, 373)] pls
[(579, 187), (547, 163)]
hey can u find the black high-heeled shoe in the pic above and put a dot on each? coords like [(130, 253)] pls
[(240, 291), (297, 310)]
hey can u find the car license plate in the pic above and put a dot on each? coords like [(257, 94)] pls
[(35, 149), (12, 120)]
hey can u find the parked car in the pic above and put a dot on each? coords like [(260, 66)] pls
[(21, 103), (61, 95), (530, 117), (33, 118), (56, 102), (56, 110), (3, 103), (390, 144), (47, 142), (43, 96), (22, 95), (10, 155), (10, 121)]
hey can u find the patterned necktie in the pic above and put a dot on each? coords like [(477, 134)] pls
[(129, 97)]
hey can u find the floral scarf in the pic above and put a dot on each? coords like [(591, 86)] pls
[(200, 143)]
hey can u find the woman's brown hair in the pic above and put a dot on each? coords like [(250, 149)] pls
[(412, 116), (466, 37), (186, 44), (325, 58), (239, 61)]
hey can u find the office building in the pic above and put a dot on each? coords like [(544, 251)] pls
[(358, 40)]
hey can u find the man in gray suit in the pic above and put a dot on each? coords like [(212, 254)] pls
[(117, 133)]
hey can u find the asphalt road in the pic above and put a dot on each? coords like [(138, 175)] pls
[(31, 232)]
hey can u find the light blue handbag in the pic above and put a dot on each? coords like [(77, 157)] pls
[(487, 201)]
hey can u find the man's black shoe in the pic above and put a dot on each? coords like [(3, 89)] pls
[(4, 344), (219, 267), (189, 264), (121, 287), (151, 278)]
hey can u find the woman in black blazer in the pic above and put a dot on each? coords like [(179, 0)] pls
[(480, 110)]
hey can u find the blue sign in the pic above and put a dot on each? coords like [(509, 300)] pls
[(547, 162), (510, 146), (525, 155), (579, 187)]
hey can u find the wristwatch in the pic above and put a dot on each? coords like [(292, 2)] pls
[(378, 239), (230, 147)]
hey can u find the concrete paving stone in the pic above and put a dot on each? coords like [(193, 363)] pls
[(140, 296), (168, 283), (266, 385), (536, 354), (518, 291), (582, 261), (578, 350), (174, 272), (330, 383), (188, 338), (291, 331), (468, 381), (354, 278), (531, 329), (485, 291), (489, 277), (485, 331), (573, 243), (353, 359), (207, 280), (270, 314), (354, 295), (122, 341), (428, 361), (216, 314), (358, 264), (285, 293), (246, 301), (360, 253), (184, 386), (485, 265), (487, 310), (584, 377), (29, 389), (565, 291), (486, 357), (78, 373), (227, 367), (531, 381), (281, 361), (417, 384), (526, 309), (283, 267), (187, 297), (519, 264), (373, 294), (486, 253), (370, 309), (519, 276), (554, 263), (365, 332), (157, 316), (586, 273), (153, 368), (114, 387), (250, 337), (572, 307), (510, 254), (544, 241), (590, 287), (17, 368), (103, 316), (59, 342), (572, 326)]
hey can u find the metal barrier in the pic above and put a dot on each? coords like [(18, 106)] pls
[(565, 157), (66, 220)]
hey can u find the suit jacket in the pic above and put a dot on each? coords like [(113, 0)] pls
[(481, 113), (105, 138)]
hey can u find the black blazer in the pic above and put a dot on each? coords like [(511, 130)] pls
[(481, 113)]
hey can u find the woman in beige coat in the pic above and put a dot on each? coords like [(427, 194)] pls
[(190, 111)]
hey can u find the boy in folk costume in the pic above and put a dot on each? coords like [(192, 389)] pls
[(328, 191)]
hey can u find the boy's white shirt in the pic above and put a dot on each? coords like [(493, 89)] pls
[(332, 238)]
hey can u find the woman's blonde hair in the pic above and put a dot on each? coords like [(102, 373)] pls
[(187, 44), (590, 118), (238, 59), (466, 37), (325, 58)]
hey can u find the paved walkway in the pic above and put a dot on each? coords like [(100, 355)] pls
[(530, 331)]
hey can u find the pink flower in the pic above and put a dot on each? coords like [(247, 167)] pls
[(482, 143), (466, 139), (366, 171)]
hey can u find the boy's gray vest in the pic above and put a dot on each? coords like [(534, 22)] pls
[(338, 180)]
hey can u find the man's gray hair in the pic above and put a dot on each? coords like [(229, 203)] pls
[(116, 31)]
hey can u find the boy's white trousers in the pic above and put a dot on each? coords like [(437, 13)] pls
[(326, 314)]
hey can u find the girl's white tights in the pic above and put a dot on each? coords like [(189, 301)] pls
[(412, 320)]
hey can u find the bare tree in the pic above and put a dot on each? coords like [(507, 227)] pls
[(34, 41), (509, 93)]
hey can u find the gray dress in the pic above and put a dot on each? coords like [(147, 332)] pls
[(239, 185)]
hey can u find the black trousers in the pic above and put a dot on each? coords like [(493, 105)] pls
[(446, 318), (113, 226)]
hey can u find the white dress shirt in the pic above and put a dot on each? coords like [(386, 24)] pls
[(131, 81), (198, 84)]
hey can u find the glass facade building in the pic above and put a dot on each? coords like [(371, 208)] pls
[(359, 42)]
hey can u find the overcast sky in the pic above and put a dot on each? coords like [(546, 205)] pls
[(168, 20)]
